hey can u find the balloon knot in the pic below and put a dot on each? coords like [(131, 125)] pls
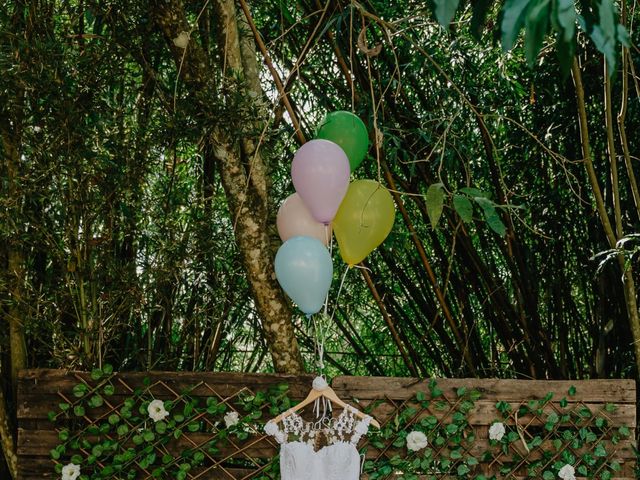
[(319, 384)]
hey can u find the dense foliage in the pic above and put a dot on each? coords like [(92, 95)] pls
[(118, 244)]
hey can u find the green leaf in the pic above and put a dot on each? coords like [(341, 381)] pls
[(198, 457), (605, 34), (435, 203), (463, 207), (96, 374), (97, 450), (107, 369), (161, 427), (445, 10), (491, 215), (514, 14), (536, 27), (548, 475), (572, 391), (564, 16), (109, 390), (474, 192), (463, 469), (78, 411), (79, 390), (623, 35)]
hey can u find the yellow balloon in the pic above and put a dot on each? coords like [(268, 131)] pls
[(364, 220)]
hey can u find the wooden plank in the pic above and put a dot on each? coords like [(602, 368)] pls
[(42, 468), (609, 391), (45, 381), (40, 442)]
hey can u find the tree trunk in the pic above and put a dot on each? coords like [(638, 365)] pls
[(15, 266), (243, 170), (6, 439)]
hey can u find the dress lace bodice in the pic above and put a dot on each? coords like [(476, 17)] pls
[(337, 459)]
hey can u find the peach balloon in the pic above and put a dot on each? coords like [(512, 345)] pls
[(294, 219)]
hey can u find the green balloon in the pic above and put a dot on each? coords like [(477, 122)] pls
[(348, 131)]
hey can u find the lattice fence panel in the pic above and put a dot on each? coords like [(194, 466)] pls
[(545, 422)]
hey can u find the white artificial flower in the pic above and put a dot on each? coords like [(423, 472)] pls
[(70, 471), (231, 419), (157, 411), (496, 431), (272, 429), (567, 473), (416, 441)]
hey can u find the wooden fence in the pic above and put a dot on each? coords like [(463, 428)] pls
[(100, 422)]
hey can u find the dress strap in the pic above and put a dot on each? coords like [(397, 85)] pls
[(361, 428)]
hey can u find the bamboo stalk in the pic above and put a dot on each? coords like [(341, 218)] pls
[(629, 284), (622, 130), (586, 154), (611, 150)]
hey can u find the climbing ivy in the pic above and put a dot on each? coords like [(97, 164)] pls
[(432, 435)]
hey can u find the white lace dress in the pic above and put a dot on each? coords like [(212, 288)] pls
[(337, 460)]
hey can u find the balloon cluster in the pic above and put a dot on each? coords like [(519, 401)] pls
[(360, 213)]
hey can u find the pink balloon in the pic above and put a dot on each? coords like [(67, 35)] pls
[(320, 173), (294, 219)]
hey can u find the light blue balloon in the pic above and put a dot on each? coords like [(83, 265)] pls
[(304, 270)]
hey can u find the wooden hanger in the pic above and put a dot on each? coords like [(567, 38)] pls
[(329, 394)]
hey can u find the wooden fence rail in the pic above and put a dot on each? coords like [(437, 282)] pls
[(100, 421)]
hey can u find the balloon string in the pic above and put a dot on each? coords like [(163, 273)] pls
[(329, 241), (320, 337), (362, 267), (344, 275)]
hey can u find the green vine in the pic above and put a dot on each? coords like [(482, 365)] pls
[(104, 434), (126, 440)]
